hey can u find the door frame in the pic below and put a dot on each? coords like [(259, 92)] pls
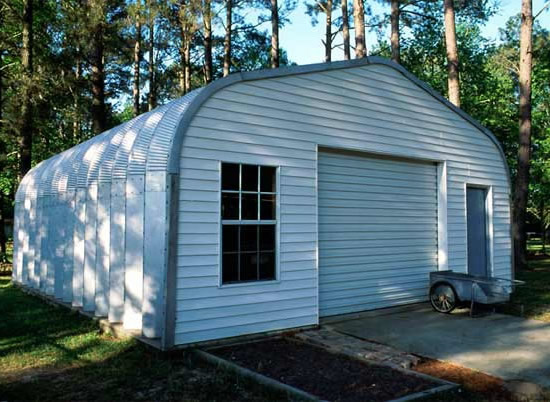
[(488, 223)]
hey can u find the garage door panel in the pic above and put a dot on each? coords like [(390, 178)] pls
[(390, 188), (368, 252), (376, 267), (382, 219), (357, 227), (375, 205), (328, 244), (378, 292), (343, 306), (361, 176), (372, 165), (366, 235), (404, 210), (383, 182), (374, 283), (357, 272), (378, 196), (377, 232)]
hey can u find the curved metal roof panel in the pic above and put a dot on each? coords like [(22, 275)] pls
[(161, 143), (120, 165), (138, 157), (106, 166)]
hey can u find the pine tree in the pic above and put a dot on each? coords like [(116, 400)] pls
[(359, 23), (452, 53), (521, 190)]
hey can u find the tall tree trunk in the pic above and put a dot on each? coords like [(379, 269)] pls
[(152, 98), (3, 239), (2, 156), (345, 29), (328, 31), (137, 64), (524, 150), (274, 34), (543, 224), (187, 67), (452, 53), (182, 77), (76, 103), (26, 113), (227, 39), (395, 45), (99, 119), (207, 17), (185, 55), (185, 49), (359, 22)]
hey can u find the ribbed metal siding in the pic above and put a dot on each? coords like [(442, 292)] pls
[(377, 232), (140, 150), (161, 143)]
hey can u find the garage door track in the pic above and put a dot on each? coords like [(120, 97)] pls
[(501, 345)]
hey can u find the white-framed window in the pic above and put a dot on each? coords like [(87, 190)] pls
[(249, 222)]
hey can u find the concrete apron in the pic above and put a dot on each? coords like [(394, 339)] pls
[(504, 346)]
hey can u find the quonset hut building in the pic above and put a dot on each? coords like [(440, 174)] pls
[(265, 201)]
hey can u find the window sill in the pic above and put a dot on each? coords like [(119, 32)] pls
[(251, 283)]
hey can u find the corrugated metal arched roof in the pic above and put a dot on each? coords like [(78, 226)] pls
[(139, 145)]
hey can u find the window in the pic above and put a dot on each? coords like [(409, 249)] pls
[(249, 214)]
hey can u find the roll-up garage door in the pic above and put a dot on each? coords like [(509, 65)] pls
[(377, 232)]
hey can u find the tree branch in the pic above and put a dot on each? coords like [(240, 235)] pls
[(419, 14), (541, 10)]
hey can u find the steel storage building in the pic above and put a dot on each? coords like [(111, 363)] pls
[(265, 201)]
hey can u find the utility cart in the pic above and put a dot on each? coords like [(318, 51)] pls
[(449, 288)]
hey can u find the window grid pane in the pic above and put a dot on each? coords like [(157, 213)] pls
[(255, 220)]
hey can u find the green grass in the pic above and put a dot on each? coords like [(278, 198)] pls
[(50, 353), (532, 300), (535, 246)]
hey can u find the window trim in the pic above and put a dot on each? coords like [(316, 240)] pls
[(239, 222)]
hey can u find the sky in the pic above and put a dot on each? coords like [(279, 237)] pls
[(302, 41)]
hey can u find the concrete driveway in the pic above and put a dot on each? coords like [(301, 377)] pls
[(508, 347)]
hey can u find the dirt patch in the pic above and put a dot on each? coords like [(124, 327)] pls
[(491, 388), (321, 373)]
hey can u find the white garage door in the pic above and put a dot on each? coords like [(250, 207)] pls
[(377, 232)]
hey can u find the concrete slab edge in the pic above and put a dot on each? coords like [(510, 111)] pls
[(291, 392), (423, 394)]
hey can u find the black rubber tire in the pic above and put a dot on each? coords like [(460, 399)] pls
[(443, 298)]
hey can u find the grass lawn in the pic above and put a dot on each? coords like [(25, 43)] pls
[(533, 297), (50, 353)]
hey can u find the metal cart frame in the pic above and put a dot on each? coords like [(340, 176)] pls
[(449, 288)]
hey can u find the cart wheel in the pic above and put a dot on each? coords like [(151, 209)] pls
[(443, 298)]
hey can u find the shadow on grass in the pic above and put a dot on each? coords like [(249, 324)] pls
[(532, 300), (136, 373), (50, 353)]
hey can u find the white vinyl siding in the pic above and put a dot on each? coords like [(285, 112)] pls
[(377, 232), (281, 122)]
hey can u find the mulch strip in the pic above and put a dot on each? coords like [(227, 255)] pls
[(492, 388), (321, 373)]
